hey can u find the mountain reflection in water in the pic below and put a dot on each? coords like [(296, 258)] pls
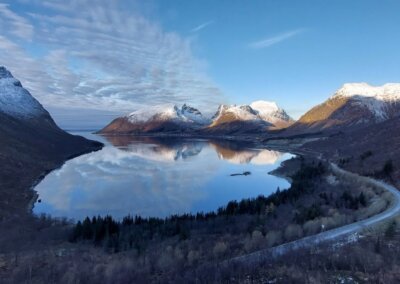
[(163, 148), (157, 177)]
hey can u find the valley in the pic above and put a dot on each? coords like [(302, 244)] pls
[(240, 215), (201, 141)]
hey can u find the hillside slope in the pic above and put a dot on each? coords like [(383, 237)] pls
[(355, 105), (366, 150), (31, 145)]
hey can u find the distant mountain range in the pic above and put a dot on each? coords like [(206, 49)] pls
[(257, 117), (354, 106), (358, 114)]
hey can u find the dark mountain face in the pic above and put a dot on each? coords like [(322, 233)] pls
[(31, 145), (365, 150), (122, 125)]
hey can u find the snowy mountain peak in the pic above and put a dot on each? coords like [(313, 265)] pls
[(166, 112), (390, 91), (259, 111), (381, 101), (265, 106), (234, 112), (189, 109), (15, 100), (4, 73), (270, 111)]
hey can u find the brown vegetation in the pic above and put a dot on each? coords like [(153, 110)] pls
[(186, 249)]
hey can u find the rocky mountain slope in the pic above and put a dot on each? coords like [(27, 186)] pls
[(31, 144), (258, 117), (167, 118), (355, 105), (269, 111), (365, 150)]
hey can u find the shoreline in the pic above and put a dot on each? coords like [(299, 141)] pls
[(31, 203), (251, 146)]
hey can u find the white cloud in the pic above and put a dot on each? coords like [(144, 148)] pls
[(101, 56), (267, 42), (14, 24), (202, 26)]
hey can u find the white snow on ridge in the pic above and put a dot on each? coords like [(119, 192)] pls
[(242, 112), (264, 107), (15, 100), (387, 92), (167, 112), (376, 98), (270, 111), (145, 114), (256, 111)]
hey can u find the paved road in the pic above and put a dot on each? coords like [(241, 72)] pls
[(333, 234)]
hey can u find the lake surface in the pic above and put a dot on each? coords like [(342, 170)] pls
[(157, 177)]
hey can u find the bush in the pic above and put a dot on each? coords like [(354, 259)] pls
[(388, 168), (292, 232), (219, 249)]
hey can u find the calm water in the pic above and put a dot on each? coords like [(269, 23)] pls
[(157, 177)]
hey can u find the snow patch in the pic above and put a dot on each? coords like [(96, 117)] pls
[(387, 92), (15, 100), (269, 111), (262, 111), (166, 112), (377, 99), (242, 112)]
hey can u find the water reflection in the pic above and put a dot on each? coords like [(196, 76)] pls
[(167, 149), (157, 177), (157, 149)]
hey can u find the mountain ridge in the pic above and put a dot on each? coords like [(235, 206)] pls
[(228, 119), (354, 105)]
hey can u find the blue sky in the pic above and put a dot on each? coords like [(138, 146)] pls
[(120, 55)]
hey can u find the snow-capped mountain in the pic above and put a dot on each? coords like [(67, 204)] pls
[(269, 111), (355, 105), (169, 118), (378, 100), (17, 101), (258, 116), (167, 112), (157, 119), (226, 114)]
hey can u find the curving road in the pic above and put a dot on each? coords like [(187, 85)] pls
[(310, 241)]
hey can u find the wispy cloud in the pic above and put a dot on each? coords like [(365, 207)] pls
[(14, 24), (101, 57), (202, 26), (267, 42)]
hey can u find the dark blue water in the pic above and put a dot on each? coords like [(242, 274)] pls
[(157, 177)]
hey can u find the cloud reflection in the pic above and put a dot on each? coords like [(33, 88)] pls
[(154, 177)]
